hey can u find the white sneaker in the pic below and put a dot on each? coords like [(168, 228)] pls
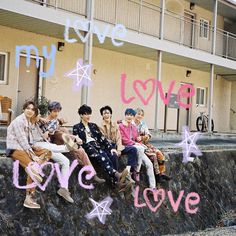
[(65, 194), (30, 202), (35, 173)]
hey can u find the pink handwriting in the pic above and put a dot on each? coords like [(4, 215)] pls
[(143, 85), (192, 199), (140, 86), (63, 180), (39, 168)]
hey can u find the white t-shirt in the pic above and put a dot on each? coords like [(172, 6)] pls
[(88, 135)]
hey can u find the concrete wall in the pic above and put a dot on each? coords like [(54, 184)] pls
[(233, 107), (109, 66)]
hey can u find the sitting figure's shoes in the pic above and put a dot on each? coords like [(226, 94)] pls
[(65, 194), (68, 141), (99, 180), (166, 177), (136, 176), (125, 187), (123, 175), (35, 173), (160, 179), (30, 202), (129, 179)]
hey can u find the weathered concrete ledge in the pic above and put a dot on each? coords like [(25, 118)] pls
[(212, 176), (226, 231)]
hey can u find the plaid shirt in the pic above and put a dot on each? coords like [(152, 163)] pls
[(18, 134)]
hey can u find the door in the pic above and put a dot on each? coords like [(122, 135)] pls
[(184, 114), (28, 82), (188, 29)]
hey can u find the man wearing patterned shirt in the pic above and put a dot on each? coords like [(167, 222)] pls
[(97, 146)]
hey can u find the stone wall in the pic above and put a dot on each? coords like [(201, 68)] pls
[(212, 176)]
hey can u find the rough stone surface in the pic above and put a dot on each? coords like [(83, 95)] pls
[(227, 231), (212, 176)]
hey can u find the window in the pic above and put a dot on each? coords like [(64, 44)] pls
[(3, 68), (204, 28), (201, 96)]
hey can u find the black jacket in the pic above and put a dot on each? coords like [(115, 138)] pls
[(79, 129)]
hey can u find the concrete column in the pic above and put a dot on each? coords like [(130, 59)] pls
[(210, 99), (157, 110), (88, 46), (213, 49), (159, 65), (162, 17)]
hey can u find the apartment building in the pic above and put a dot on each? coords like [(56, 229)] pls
[(130, 44)]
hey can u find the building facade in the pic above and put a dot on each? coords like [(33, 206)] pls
[(176, 42)]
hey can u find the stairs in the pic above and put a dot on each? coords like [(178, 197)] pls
[(3, 136)]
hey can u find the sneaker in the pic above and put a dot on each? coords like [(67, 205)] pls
[(129, 179), (68, 141), (65, 194), (136, 176), (160, 179), (125, 187), (123, 175), (150, 193), (35, 173), (166, 177), (30, 202), (99, 180)]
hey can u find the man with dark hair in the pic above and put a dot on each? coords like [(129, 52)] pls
[(106, 108), (112, 133), (97, 146)]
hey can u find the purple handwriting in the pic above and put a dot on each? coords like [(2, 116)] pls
[(49, 56), (140, 86), (189, 144), (63, 180), (192, 199), (80, 75), (100, 209), (119, 31)]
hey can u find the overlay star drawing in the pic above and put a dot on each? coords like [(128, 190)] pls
[(101, 209), (189, 144), (80, 75)]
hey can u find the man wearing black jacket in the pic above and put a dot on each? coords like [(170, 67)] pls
[(97, 146)]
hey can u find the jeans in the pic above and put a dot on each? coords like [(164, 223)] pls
[(57, 156), (131, 152), (143, 159)]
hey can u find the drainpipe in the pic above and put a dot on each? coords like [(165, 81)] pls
[(211, 84), (159, 65), (88, 46)]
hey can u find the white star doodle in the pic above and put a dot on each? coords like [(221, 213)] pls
[(80, 75), (101, 209), (189, 144)]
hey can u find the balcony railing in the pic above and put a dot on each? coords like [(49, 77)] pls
[(144, 17)]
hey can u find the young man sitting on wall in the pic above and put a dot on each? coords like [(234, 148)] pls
[(97, 146)]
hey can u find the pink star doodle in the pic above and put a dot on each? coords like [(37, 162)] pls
[(189, 144), (80, 75), (101, 209)]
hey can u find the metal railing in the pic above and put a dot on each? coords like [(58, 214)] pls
[(144, 17), (73, 6)]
